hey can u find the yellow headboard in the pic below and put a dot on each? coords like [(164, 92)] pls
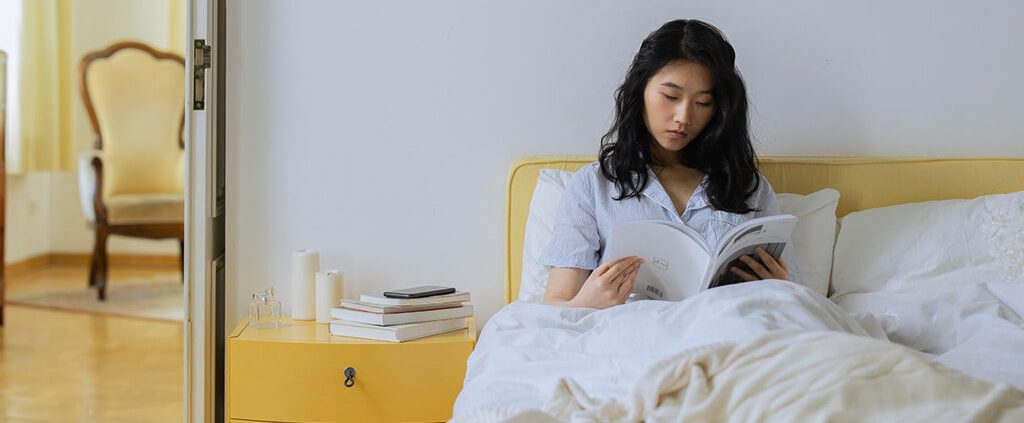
[(863, 183)]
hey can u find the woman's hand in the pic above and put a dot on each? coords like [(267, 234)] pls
[(609, 284), (767, 268)]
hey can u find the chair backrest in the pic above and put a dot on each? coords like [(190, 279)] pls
[(135, 97)]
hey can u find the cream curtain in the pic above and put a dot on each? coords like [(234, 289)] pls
[(47, 92), (176, 41), (49, 97)]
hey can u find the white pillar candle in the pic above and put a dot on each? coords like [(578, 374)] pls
[(305, 264), (330, 286)]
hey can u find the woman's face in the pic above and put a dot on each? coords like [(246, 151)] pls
[(677, 106)]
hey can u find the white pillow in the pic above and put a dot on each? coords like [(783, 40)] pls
[(813, 236), (540, 223), (930, 244)]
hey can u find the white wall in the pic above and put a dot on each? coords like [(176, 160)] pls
[(380, 133), (26, 233)]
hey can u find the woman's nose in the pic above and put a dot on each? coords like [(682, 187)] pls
[(682, 115)]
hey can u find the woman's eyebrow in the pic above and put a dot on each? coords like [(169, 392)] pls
[(671, 84)]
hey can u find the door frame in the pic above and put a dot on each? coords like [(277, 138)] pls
[(202, 305), (3, 176)]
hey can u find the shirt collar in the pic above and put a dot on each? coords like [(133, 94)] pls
[(656, 192)]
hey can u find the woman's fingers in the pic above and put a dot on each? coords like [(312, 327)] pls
[(619, 269), (756, 267), (627, 274), (776, 270), (602, 269), (782, 264), (611, 272), (627, 285), (746, 276)]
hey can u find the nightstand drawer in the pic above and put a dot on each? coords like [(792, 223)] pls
[(305, 381)]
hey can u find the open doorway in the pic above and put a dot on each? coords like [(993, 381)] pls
[(120, 357)]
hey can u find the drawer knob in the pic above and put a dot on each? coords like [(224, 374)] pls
[(350, 377)]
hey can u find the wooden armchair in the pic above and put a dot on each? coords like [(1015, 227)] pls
[(132, 183)]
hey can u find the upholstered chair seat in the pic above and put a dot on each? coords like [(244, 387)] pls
[(128, 209)]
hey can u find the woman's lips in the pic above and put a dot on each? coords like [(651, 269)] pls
[(676, 134)]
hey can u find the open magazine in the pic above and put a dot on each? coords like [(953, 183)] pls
[(678, 262)]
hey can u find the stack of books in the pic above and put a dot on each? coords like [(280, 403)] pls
[(378, 317)]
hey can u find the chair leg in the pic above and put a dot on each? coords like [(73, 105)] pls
[(94, 262), (100, 257), (181, 258)]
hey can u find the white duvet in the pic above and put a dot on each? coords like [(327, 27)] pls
[(754, 351), (975, 328)]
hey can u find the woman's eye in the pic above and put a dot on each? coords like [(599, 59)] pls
[(704, 104), (670, 97)]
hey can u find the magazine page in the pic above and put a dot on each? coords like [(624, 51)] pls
[(675, 258), (772, 233)]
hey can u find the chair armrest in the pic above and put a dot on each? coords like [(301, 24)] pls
[(88, 183)]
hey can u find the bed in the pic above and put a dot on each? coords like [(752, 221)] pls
[(881, 339)]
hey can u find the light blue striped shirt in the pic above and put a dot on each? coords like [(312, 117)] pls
[(588, 211)]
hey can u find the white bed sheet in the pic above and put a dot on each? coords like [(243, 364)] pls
[(526, 348)]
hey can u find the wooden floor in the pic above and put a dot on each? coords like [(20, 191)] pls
[(61, 366)]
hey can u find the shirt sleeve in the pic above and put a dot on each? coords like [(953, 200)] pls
[(575, 241), (769, 205)]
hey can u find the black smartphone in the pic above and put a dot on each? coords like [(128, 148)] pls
[(419, 292)]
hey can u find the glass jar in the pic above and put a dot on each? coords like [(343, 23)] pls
[(264, 310)]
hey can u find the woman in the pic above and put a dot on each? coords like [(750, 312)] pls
[(679, 150)]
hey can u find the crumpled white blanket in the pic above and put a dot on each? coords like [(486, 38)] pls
[(750, 351), (788, 376), (976, 328)]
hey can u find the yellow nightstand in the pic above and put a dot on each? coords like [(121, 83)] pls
[(297, 374)]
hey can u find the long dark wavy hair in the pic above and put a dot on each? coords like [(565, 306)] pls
[(723, 150)]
